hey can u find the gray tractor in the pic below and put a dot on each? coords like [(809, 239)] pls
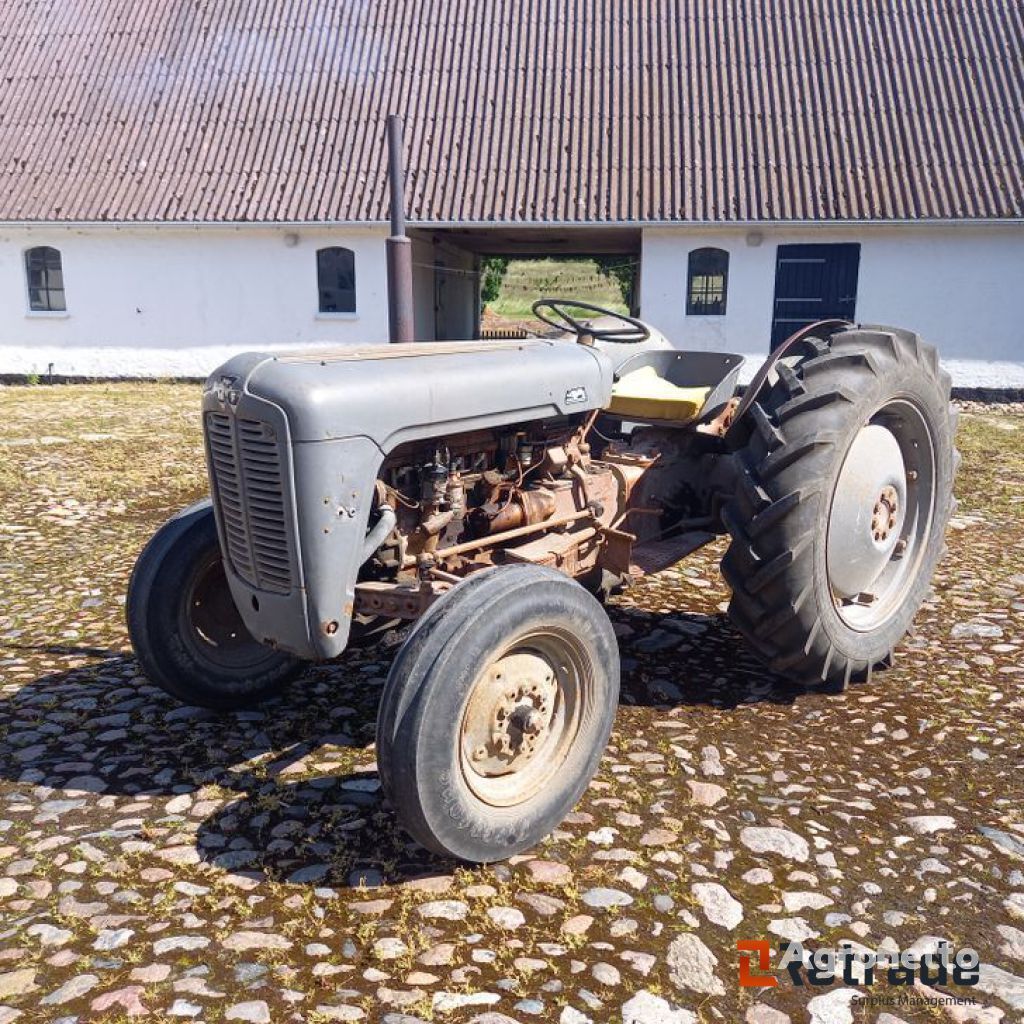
[(489, 495)]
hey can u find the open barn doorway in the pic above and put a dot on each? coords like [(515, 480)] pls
[(481, 282), (509, 286)]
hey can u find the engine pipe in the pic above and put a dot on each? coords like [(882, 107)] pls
[(500, 538), (380, 530), (398, 247)]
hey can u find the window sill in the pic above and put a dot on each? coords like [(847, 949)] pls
[(47, 314), (336, 316)]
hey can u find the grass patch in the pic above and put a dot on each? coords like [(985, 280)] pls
[(528, 280), (991, 479)]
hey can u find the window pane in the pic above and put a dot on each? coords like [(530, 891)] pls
[(45, 278), (708, 283), (336, 280)]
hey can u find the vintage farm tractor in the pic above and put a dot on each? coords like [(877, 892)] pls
[(490, 493)]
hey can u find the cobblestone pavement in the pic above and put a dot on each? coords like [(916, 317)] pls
[(164, 862)]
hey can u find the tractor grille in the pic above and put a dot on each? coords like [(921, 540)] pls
[(249, 491)]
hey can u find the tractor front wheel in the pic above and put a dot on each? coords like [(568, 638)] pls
[(496, 712), (843, 494), (185, 629)]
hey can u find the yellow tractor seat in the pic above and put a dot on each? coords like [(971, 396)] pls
[(644, 394)]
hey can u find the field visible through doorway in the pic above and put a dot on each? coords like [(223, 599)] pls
[(510, 286)]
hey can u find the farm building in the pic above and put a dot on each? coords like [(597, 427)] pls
[(182, 180)]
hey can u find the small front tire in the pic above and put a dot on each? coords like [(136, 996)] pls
[(496, 712), (185, 629)]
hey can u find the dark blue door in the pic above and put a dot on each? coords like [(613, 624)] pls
[(814, 282)]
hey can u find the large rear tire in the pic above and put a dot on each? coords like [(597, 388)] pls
[(843, 495), (496, 712), (184, 626)]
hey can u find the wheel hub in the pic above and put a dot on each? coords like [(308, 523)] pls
[(884, 515), (211, 626), (867, 513), (880, 517), (521, 716), (510, 712)]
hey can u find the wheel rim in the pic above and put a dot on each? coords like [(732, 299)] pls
[(522, 715), (881, 515), (212, 628)]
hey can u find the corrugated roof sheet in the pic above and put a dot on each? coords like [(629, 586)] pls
[(516, 110)]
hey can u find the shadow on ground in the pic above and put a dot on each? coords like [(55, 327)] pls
[(303, 799)]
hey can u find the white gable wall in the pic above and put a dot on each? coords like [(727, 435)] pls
[(962, 288), (179, 301)]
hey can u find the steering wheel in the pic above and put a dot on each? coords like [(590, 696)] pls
[(557, 316)]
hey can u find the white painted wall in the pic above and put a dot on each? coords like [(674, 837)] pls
[(179, 301), (962, 288)]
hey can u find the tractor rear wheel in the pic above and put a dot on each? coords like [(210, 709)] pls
[(843, 495), (496, 712), (185, 628)]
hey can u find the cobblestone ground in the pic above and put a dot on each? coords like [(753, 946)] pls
[(162, 861)]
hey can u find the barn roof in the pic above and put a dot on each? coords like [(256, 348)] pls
[(527, 111)]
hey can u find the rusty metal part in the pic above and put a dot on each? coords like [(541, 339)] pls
[(509, 713), (826, 326), (556, 460), (629, 469), (519, 508), (562, 551), (572, 551), (434, 485), (456, 494), (398, 600), (616, 551), (600, 491), (885, 513), (719, 426), (484, 542), (433, 525), (628, 466), (445, 577)]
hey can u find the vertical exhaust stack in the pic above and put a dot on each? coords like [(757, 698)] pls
[(399, 247)]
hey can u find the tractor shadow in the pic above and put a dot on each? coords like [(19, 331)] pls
[(692, 659), (304, 803)]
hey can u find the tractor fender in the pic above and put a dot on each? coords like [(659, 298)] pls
[(763, 375)]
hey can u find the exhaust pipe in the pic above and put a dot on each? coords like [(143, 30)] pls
[(399, 247)]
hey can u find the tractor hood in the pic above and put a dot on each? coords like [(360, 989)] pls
[(400, 392), (295, 442)]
